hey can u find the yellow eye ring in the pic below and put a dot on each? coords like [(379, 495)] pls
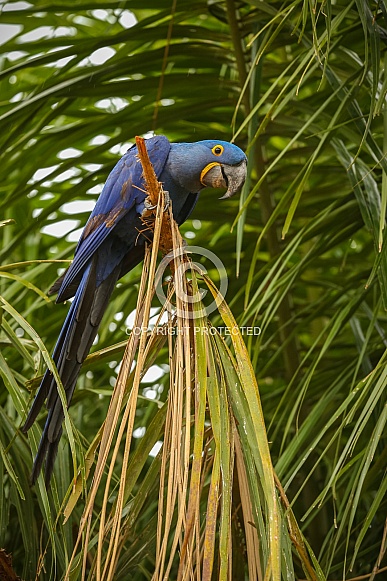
[(217, 150)]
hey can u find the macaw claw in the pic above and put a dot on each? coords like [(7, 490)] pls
[(149, 206)]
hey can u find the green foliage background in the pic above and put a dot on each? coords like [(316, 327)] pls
[(302, 87)]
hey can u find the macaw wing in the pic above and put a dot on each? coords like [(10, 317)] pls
[(122, 192)]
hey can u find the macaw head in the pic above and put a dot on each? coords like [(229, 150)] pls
[(226, 168), (217, 164)]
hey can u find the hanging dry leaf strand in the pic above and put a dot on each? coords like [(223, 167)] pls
[(154, 189)]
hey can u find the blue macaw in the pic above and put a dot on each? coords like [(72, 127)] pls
[(110, 246)]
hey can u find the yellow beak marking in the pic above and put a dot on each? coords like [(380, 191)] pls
[(206, 170)]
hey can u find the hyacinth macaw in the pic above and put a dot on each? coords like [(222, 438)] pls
[(110, 246)]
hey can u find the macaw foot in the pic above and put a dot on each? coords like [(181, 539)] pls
[(167, 199), (149, 206)]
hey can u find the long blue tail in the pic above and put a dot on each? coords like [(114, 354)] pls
[(75, 340)]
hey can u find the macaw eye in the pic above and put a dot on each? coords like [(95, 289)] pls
[(217, 149)]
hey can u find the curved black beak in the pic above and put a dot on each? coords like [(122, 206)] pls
[(231, 177)]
